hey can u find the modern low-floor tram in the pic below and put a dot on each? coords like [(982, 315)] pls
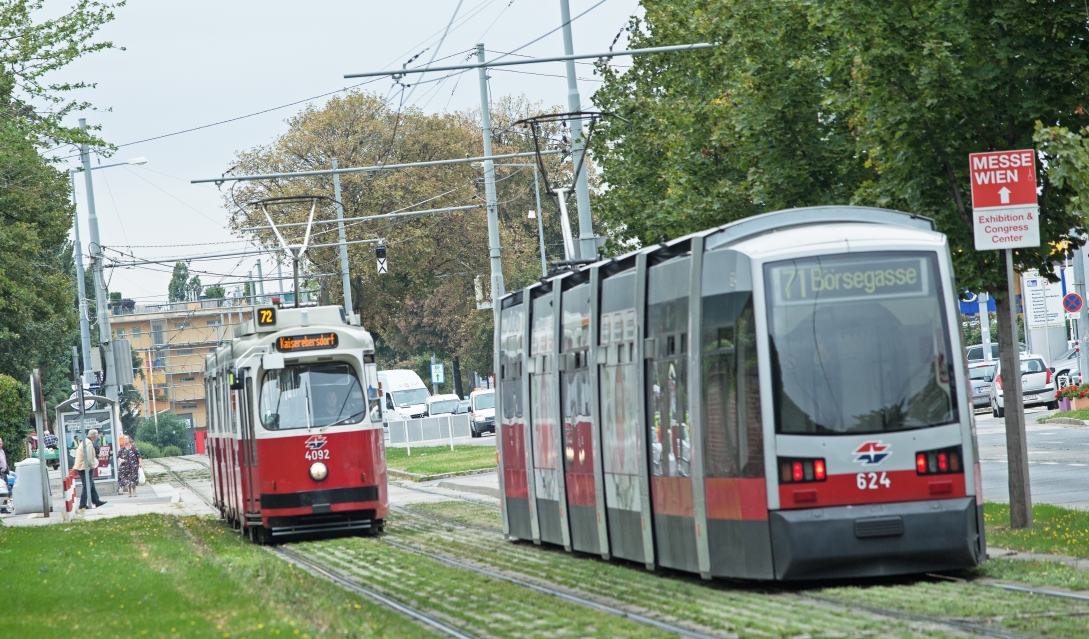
[(295, 428), (776, 398)]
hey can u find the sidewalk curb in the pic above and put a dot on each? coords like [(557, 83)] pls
[(1069, 421), (488, 491), (400, 474)]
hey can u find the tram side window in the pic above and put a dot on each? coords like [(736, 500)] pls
[(733, 436), (859, 344), (311, 396), (667, 385), (511, 362)]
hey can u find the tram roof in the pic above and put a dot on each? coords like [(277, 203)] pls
[(755, 225), (301, 321)]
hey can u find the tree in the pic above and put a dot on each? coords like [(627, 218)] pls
[(170, 430), (426, 303), (30, 50), (215, 292), (194, 288), (14, 412), (178, 288)]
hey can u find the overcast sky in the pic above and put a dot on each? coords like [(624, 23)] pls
[(195, 62)]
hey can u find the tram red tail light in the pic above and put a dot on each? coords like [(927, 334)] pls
[(799, 471), (939, 462)]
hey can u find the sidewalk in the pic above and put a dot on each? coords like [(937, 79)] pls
[(160, 498)]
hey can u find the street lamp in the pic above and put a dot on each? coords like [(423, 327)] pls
[(101, 305)]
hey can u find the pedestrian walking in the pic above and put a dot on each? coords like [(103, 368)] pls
[(3, 462), (86, 463), (130, 462)]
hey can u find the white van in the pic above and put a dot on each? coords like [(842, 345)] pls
[(482, 412), (405, 394)]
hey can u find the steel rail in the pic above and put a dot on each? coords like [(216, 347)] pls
[(318, 570), (322, 572), (600, 607)]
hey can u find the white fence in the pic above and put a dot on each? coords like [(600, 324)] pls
[(429, 429)]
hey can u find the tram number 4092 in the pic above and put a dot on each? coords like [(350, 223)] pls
[(872, 481), (314, 455)]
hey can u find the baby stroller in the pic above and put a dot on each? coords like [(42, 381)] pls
[(7, 484)]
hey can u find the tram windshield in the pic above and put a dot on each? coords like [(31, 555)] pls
[(859, 344), (311, 396)]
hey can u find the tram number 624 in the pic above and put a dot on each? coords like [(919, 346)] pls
[(871, 481)]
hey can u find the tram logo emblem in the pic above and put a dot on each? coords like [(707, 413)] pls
[(315, 442), (872, 453)]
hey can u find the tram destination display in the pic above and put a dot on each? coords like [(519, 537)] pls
[(806, 281), (311, 342)]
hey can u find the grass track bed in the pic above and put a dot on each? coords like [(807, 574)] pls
[(474, 603), (744, 610)]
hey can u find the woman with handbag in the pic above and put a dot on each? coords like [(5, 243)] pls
[(128, 474)]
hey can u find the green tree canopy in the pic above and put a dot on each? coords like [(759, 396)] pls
[(808, 103), (178, 288), (171, 430), (216, 291)]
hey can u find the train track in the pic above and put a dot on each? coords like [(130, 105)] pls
[(513, 575), (322, 572)]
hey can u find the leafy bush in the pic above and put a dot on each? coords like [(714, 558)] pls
[(170, 431), (148, 450), (172, 451)]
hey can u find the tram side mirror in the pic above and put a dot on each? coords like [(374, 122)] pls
[(238, 379)]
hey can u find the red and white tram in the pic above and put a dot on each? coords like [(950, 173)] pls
[(784, 397), (295, 432)]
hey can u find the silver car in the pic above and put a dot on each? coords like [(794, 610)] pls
[(980, 375), (1037, 385), (1063, 364), (975, 353)]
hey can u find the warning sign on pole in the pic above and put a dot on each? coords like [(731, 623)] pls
[(1004, 210)]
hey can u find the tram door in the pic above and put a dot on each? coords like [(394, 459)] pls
[(512, 429), (621, 434), (249, 448), (668, 427), (733, 430), (544, 422), (578, 446)]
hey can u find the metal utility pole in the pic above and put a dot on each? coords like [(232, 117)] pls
[(498, 288), (587, 246), (81, 287), (985, 325), (1083, 314), (105, 336), (345, 280), (260, 282), (1016, 446)]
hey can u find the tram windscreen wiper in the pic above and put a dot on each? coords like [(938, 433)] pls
[(348, 418)]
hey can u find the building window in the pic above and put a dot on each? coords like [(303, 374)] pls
[(185, 351), (120, 333), (188, 379), (136, 331), (181, 324), (214, 322), (184, 406)]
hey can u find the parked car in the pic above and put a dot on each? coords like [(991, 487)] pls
[(1037, 385), (1066, 362), (981, 375), (482, 412), (975, 353), (442, 404)]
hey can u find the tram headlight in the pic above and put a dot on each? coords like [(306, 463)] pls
[(318, 471)]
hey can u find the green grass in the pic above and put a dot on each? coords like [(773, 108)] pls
[(1055, 530), (1035, 573), (463, 512), (1073, 414), (161, 576), (435, 460)]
